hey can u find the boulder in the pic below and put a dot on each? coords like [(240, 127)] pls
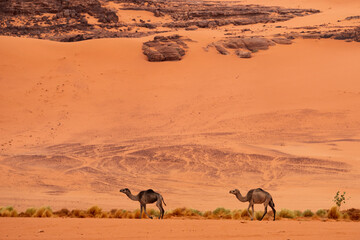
[(257, 43)]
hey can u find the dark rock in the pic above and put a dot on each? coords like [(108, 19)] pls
[(243, 54), (256, 43), (221, 49), (281, 40), (162, 48)]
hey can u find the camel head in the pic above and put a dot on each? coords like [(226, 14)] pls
[(125, 190), (235, 191)]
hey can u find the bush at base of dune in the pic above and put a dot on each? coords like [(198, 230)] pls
[(334, 213), (308, 213)]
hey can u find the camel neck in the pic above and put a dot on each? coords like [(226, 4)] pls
[(132, 197), (241, 198)]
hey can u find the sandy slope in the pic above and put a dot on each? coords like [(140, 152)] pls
[(173, 229), (287, 120)]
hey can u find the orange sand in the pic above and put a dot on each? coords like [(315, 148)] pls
[(301, 100), (173, 229)]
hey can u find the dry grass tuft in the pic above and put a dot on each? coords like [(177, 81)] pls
[(286, 213), (8, 212), (43, 212), (221, 213), (76, 213), (258, 215), (308, 213), (354, 214), (245, 214), (321, 213), (298, 213), (62, 213), (94, 211), (334, 213), (236, 214)]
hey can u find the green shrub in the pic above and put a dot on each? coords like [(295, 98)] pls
[(308, 213), (298, 213), (321, 213), (30, 212)]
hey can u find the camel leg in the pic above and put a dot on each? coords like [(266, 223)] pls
[(146, 212), (264, 212), (274, 211), (253, 212), (159, 205), (249, 211), (141, 209)]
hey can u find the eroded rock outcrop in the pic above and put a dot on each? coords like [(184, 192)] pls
[(244, 47), (170, 48)]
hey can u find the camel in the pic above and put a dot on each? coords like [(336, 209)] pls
[(146, 197), (256, 196)]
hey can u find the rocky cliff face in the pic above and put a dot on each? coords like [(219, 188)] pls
[(59, 19)]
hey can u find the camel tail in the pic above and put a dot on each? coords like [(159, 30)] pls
[(162, 199), (272, 203)]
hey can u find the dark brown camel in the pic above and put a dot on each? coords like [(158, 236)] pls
[(146, 197), (256, 196)]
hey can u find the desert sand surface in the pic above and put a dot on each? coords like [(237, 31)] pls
[(81, 120), (173, 229)]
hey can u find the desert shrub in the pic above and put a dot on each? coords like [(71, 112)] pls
[(62, 213), (118, 213), (30, 212), (345, 216), (76, 213), (222, 213), (236, 214), (286, 213), (321, 213), (339, 199), (308, 213), (245, 214), (94, 211), (183, 212), (258, 215), (104, 215), (353, 213), (298, 213), (207, 214), (43, 212), (334, 213), (8, 212)]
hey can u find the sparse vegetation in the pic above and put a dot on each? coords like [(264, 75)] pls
[(321, 213), (94, 211), (286, 213), (308, 213), (298, 213), (339, 199), (8, 212), (188, 213), (43, 212), (334, 213)]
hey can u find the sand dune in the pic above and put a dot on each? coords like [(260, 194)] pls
[(80, 120)]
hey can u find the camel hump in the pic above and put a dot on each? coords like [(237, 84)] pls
[(260, 189), (150, 191)]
